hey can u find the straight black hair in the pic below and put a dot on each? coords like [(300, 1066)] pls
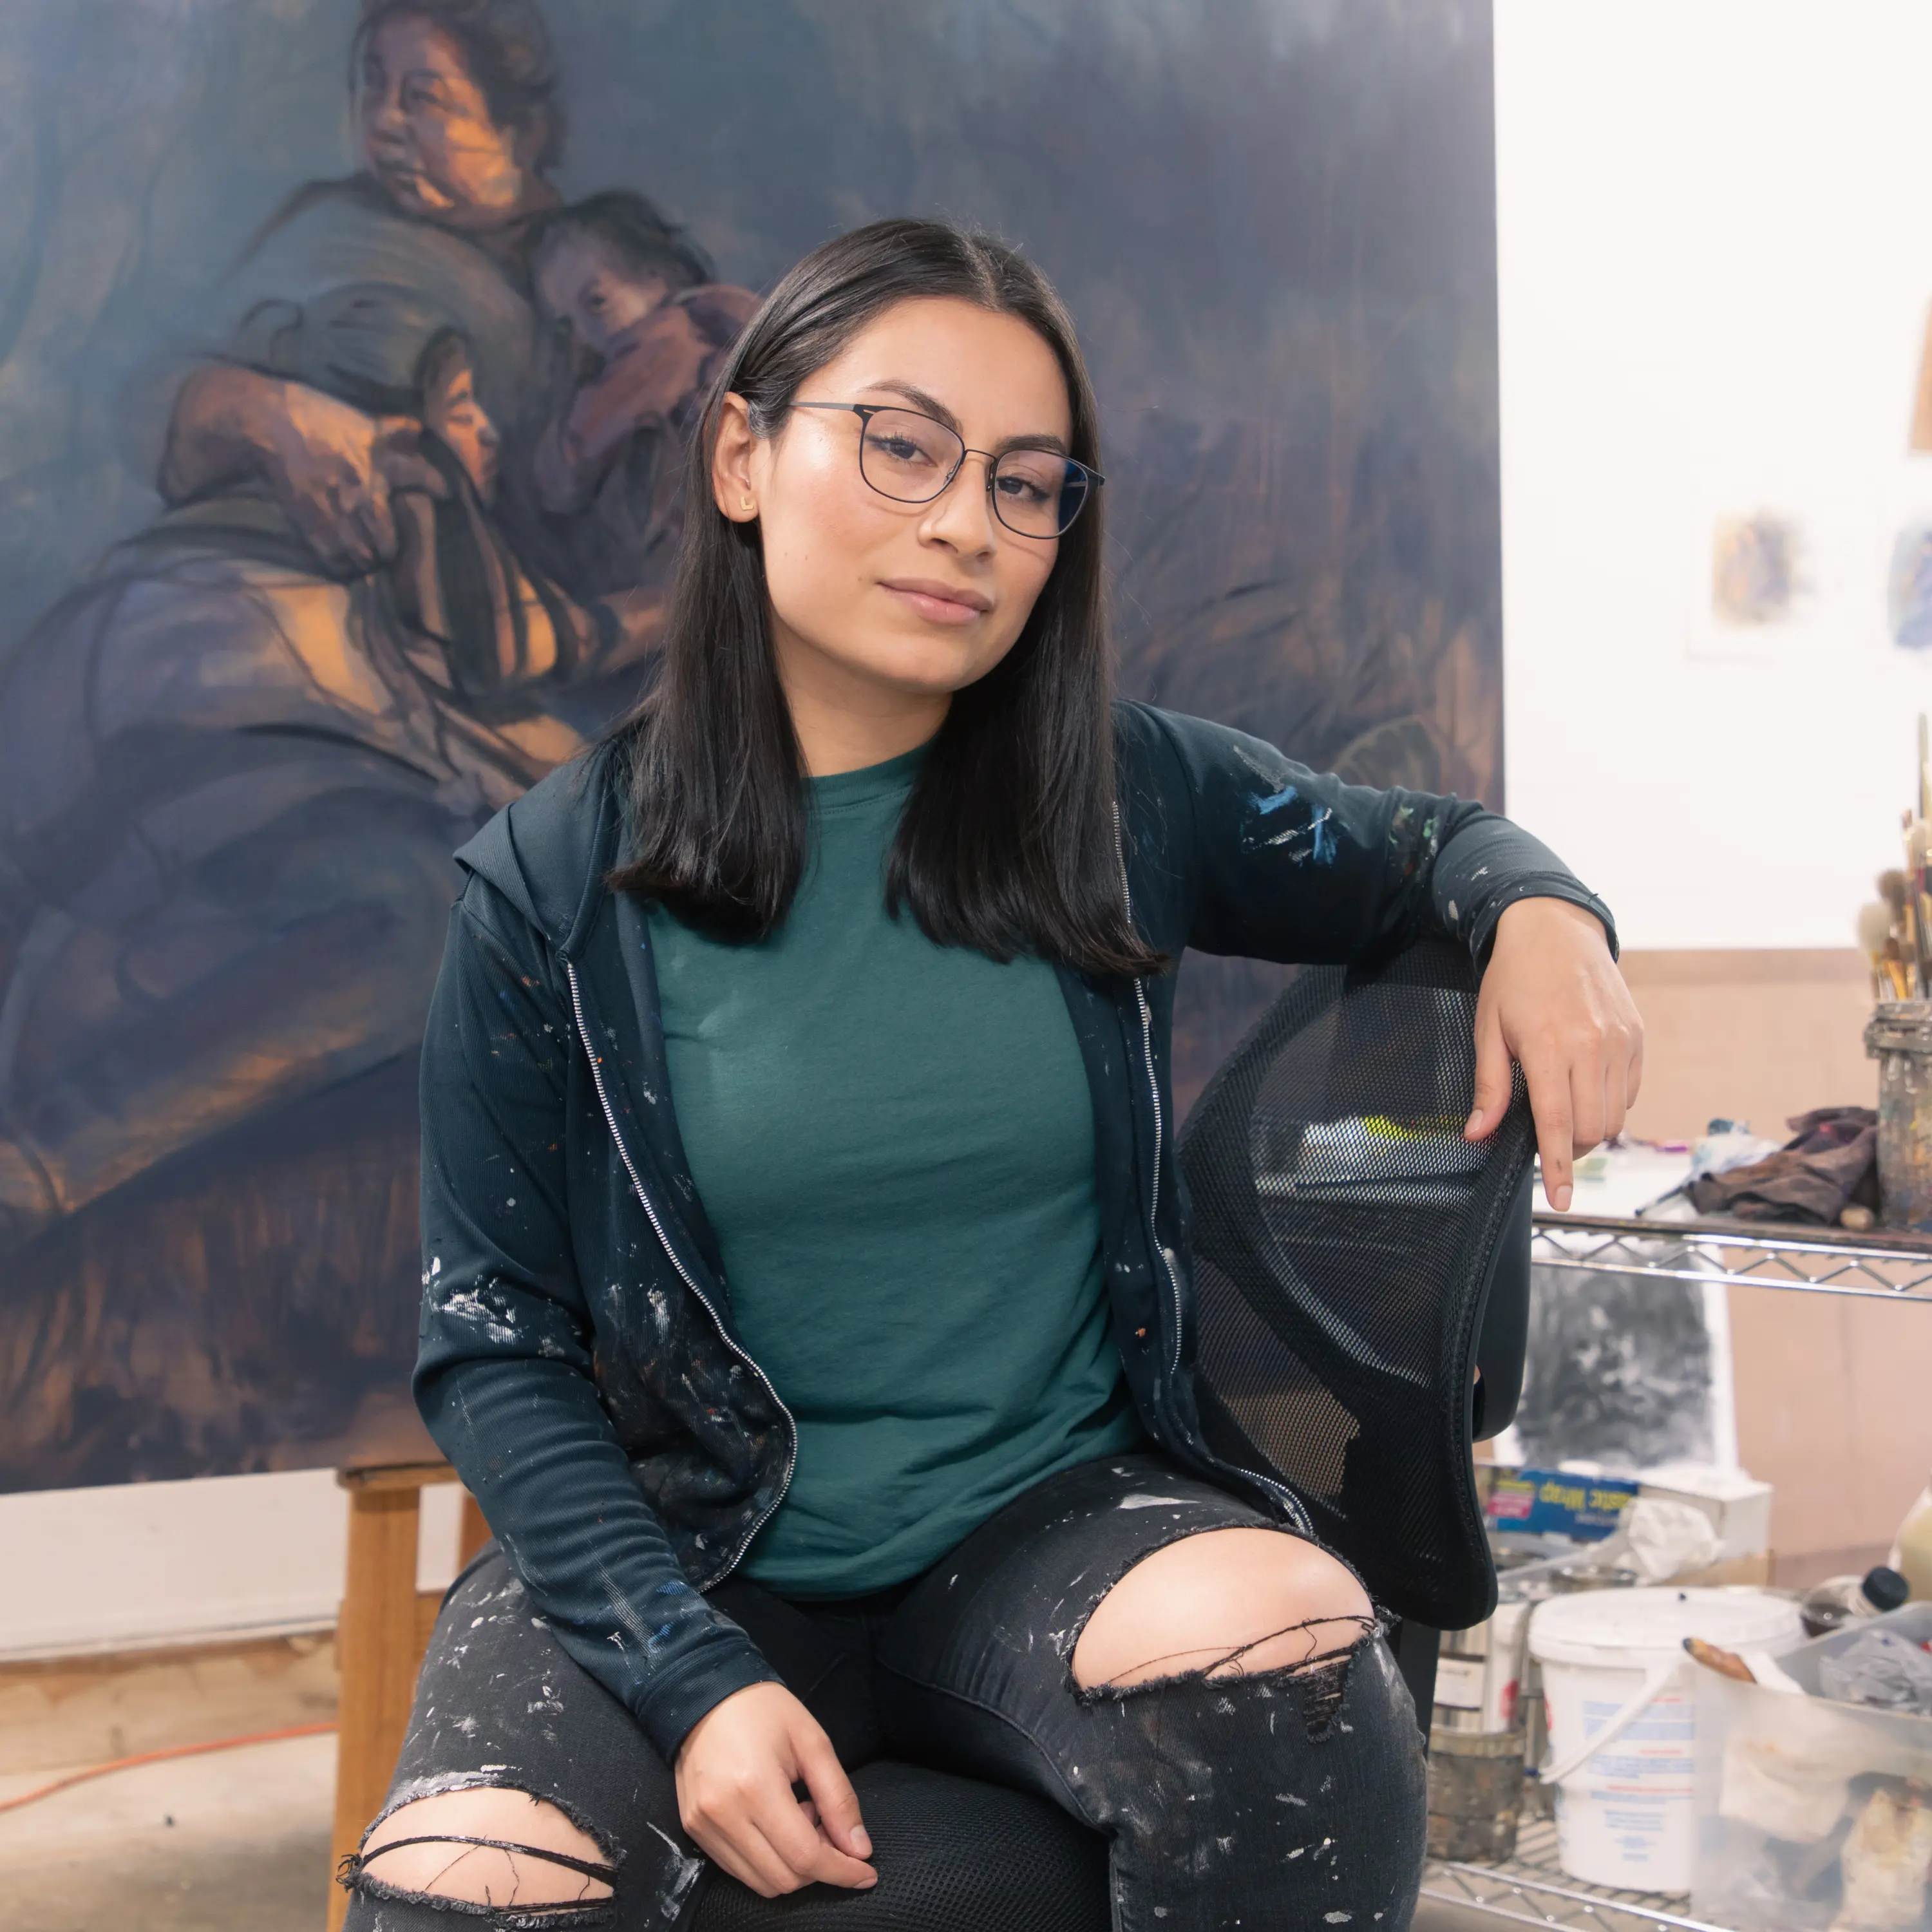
[(1009, 843)]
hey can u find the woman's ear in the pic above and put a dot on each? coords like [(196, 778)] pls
[(731, 486)]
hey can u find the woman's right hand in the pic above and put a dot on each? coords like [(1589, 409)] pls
[(736, 1769), (332, 469)]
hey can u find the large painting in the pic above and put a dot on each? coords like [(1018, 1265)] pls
[(347, 355)]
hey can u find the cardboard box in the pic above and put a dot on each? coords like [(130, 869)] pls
[(1554, 1502), (1738, 1505)]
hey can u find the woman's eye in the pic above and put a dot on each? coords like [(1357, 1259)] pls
[(900, 449), (594, 304), (1022, 489)]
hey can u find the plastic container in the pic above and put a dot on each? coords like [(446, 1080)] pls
[(1813, 1814), (1619, 1702), (1475, 1792)]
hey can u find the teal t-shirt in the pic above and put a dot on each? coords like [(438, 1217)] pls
[(894, 1141)]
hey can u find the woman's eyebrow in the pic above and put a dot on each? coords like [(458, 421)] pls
[(931, 405)]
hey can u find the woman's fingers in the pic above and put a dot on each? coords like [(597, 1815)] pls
[(836, 1803), (1616, 1090), (754, 1863), (1556, 999), (735, 1773), (1492, 1096), (808, 1857), (1552, 1107), (370, 514), (326, 524)]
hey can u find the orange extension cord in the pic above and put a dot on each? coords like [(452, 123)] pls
[(157, 1757)]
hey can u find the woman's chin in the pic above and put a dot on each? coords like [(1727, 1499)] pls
[(926, 668)]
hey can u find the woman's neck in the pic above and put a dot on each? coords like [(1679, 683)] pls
[(845, 722)]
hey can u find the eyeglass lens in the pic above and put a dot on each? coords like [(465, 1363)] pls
[(912, 457)]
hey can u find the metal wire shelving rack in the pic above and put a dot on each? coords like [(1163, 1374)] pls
[(1889, 1266), (1532, 1888)]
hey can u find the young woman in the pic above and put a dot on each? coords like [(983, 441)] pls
[(805, 1296)]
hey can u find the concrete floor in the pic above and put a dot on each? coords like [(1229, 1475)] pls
[(235, 1841)]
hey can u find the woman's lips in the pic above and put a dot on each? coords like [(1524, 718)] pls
[(940, 603)]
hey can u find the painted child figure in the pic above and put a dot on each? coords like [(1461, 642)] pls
[(648, 328)]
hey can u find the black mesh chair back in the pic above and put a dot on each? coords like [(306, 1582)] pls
[(1357, 1260)]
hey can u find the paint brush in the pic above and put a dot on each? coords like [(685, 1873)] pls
[(1874, 930), (1897, 976)]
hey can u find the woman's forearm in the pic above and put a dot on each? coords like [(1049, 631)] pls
[(224, 430)]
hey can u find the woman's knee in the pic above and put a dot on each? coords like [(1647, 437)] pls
[(1224, 1602), (540, 1858)]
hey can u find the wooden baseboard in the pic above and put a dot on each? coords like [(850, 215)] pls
[(69, 1711), (1749, 1036), (58, 1712)]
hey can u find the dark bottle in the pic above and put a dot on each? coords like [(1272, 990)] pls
[(1840, 1600)]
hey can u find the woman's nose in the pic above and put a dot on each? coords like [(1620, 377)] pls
[(383, 123), (962, 514)]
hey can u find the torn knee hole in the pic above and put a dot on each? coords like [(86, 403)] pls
[(1317, 1643), (487, 1846)]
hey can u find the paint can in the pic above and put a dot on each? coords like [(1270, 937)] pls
[(1620, 1703), (1899, 1037), (1475, 1793)]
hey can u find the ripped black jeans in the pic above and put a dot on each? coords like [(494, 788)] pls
[(1276, 1800)]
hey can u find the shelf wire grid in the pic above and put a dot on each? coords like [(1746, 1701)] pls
[(1532, 1888), (1890, 1267)]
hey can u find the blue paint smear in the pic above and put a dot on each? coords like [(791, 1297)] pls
[(1319, 831)]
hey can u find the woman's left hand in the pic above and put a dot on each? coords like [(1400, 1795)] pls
[(1553, 1000)]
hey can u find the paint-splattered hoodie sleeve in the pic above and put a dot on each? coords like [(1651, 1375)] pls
[(505, 1373), (1270, 860)]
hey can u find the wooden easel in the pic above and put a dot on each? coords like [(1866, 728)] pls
[(380, 1637)]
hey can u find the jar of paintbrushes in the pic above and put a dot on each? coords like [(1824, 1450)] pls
[(1897, 936)]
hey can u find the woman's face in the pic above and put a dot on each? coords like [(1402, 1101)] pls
[(451, 413), (426, 129), (885, 599), (582, 279)]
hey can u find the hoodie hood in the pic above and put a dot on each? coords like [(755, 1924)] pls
[(547, 854)]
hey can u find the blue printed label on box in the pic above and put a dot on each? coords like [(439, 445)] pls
[(1553, 1502)]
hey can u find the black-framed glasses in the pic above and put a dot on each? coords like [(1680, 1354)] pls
[(913, 458)]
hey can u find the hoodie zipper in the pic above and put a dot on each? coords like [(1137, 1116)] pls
[(684, 1275), (1289, 1500), (1154, 1091)]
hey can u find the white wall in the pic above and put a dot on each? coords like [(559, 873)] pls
[(1715, 229), (142, 1565)]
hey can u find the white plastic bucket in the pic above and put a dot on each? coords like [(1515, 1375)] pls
[(1621, 1710)]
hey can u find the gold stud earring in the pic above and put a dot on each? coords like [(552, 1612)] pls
[(747, 505)]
